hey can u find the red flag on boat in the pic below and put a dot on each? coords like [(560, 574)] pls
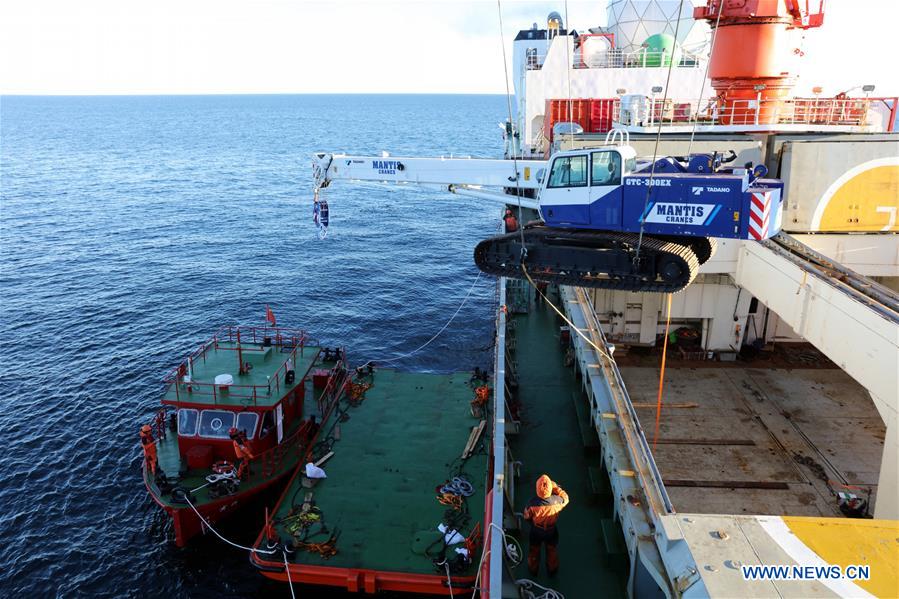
[(270, 316)]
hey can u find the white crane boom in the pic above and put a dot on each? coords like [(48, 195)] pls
[(463, 176)]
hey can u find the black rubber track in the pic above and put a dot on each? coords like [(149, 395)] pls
[(501, 256), (703, 247)]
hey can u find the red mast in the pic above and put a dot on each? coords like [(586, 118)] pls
[(755, 45)]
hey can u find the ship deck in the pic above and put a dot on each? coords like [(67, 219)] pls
[(754, 439), (263, 386), (555, 438), (390, 452)]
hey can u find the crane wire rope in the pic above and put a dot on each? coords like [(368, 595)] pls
[(568, 68), (705, 77), (511, 131), (437, 334), (573, 326), (655, 151), (655, 434)]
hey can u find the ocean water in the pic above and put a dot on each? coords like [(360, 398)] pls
[(131, 228)]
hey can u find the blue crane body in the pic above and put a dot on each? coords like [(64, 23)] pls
[(607, 220), (692, 200)]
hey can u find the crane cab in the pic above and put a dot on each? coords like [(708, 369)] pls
[(582, 188)]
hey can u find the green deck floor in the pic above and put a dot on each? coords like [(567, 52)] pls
[(224, 360), (396, 447), (551, 442)]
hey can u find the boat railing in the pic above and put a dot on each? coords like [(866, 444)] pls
[(189, 390), (272, 459), (334, 388), (649, 111)]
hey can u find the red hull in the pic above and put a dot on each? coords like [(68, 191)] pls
[(362, 580), (188, 525)]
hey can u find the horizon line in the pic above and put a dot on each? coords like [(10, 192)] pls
[(158, 94)]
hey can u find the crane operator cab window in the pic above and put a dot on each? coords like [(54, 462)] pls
[(606, 168), (569, 171)]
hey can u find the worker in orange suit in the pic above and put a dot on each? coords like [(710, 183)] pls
[(149, 445), (542, 512), (511, 221), (241, 452)]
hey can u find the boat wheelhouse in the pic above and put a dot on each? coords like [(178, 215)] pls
[(233, 421)]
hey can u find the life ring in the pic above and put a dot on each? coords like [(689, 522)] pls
[(223, 467)]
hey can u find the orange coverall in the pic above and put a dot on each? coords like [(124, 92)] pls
[(543, 511), (244, 455), (146, 440)]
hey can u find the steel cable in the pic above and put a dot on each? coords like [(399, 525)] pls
[(655, 151)]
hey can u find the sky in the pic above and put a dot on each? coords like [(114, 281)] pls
[(342, 46)]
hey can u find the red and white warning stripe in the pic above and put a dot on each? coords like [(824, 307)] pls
[(759, 215)]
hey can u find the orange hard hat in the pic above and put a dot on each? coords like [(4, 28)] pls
[(145, 428), (544, 486)]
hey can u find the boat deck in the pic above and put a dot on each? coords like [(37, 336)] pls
[(262, 386), (555, 439), (390, 453), (194, 479), (739, 439)]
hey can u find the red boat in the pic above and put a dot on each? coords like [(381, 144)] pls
[(233, 421)]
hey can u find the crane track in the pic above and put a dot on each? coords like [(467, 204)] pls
[(539, 240)]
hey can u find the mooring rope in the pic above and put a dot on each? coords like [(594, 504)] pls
[(232, 543), (437, 334)]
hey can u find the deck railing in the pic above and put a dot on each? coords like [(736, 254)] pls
[(618, 59), (853, 112), (180, 379)]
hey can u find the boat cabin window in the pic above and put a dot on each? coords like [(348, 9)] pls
[(215, 424), (187, 422), (246, 422), (569, 171), (606, 168), (268, 423)]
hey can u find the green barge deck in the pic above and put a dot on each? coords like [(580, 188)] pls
[(379, 500)]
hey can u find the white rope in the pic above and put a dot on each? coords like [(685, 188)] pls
[(705, 77), (437, 334), (449, 581), (486, 551), (287, 571), (209, 526)]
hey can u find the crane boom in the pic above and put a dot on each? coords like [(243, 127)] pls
[(452, 173)]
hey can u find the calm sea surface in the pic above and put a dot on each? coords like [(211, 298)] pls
[(131, 228)]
